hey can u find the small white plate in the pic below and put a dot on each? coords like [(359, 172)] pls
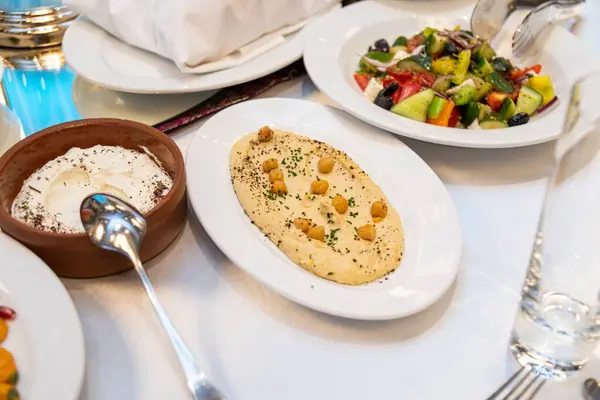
[(332, 55), (103, 59), (432, 233), (46, 338), (95, 101)]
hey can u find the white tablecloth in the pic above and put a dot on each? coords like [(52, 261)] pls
[(260, 346)]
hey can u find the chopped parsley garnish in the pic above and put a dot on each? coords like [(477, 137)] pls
[(332, 238), (351, 202)]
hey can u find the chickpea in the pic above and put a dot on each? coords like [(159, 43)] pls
[(317, 233), (270, 164), (366, 232), (340, 203), (319, 187), (325, 165), (265, 134), (279, 187), (379, 210), (303, 224), (275, 175)]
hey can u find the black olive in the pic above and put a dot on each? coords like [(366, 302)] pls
[(382, 45), (383, 101), (518, 119), (390, 89), (450, 49)]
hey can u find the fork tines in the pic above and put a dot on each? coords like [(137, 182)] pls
[(523, 385)]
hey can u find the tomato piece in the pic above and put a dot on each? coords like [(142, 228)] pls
[(495, 100), (425, 79), (516, 73), (362, 80), (396, 96), (445, 116), (454, 118), (399, 76), (409, 89), (537, 68), (515, 94), (387, 81), (414, 42)]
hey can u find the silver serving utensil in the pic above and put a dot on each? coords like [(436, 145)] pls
[(489, 15), (115, 225), (591, 389), (538, 19)]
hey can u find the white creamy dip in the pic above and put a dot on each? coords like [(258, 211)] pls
[(51, 196)]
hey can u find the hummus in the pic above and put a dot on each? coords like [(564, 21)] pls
[(339, 233), (50, 198)]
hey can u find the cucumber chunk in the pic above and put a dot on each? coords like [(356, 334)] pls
[(464, 95), (469, 113), (493, 124), (436, 107), (415, 107), (529, 100), (508, 109)]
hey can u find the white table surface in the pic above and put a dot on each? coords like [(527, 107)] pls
[(260, 346)]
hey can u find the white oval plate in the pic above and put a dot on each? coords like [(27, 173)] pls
[(432, 233), (46, 338), (103, 59), (331, 57)]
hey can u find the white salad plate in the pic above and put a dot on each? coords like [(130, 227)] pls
[(429, 218), (338, 41), (105, 60), (46, 339)]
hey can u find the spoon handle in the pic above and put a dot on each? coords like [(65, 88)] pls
[(191, 369)]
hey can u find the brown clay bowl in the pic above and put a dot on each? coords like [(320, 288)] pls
[(74, 255)]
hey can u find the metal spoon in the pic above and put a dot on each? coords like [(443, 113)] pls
[(115, 225), (489, 15)]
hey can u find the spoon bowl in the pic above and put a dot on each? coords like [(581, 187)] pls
[(106, 218)]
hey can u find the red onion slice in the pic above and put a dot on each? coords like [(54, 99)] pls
[(378, 64), (547, 105), (441, 79)]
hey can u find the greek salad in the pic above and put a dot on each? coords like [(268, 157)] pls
[(452, 78)]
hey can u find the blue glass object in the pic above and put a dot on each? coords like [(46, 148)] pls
[(41, 98), (8, 5)]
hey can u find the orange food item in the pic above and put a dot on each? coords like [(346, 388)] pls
[(8, 392), (495, 100), (8, 368), (444, 118), (3, 330)]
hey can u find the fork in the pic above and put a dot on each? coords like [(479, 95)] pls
[(489, 16), (538, 19), (523, 385)]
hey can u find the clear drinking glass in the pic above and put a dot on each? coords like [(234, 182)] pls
[(558, 320)]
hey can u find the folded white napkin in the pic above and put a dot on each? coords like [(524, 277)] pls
[(202, 35)]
